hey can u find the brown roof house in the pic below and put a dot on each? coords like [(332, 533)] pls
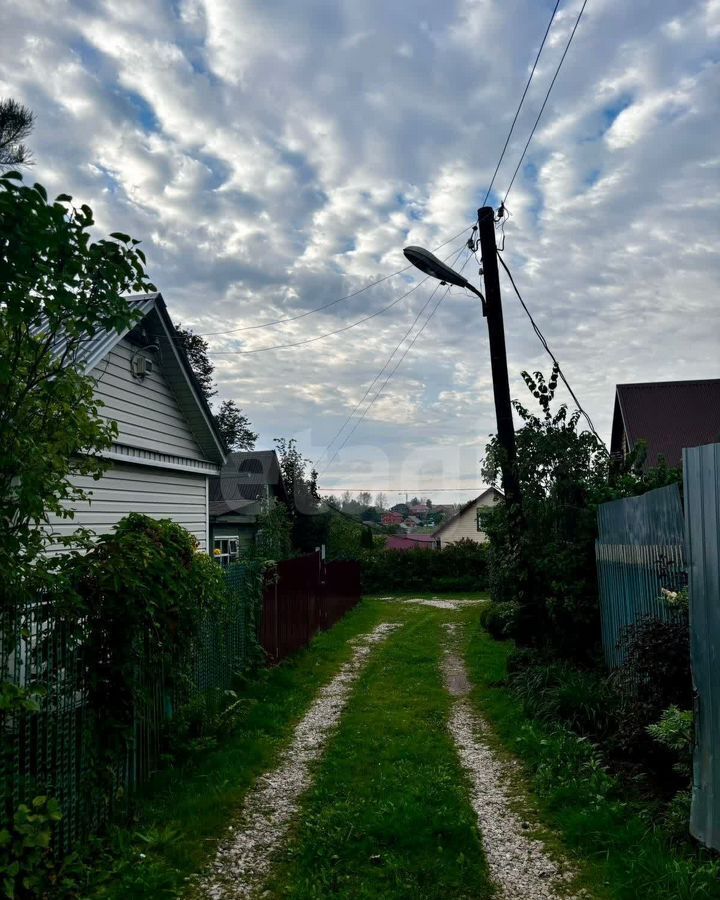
[(248, 480), (666, 416), (466, 523)]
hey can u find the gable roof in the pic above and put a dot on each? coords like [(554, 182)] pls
[(152, 314), (467, 506), (241, 483), (668, 415)]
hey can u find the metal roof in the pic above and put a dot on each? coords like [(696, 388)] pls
[(667, 415)]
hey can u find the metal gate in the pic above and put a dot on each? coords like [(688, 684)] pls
[(701, 466)]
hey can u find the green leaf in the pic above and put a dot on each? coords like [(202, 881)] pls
[(119, 236), (63, 198)]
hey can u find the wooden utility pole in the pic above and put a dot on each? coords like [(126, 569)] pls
[(498, 355)]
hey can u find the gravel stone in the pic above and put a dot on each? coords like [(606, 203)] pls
[(242, 863), (519, 864)]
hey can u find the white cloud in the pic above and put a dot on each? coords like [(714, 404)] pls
[(276, 156)]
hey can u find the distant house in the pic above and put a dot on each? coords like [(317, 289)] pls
[(466, 523), (168, 445), (419, 509), (667, 416), (411, 542), (248, 479), (392, 518)]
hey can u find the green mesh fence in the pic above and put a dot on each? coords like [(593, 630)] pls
[(46, 735)]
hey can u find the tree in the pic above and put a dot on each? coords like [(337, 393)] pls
[(196, 349), (564, 474), (364, 498), (16, 122), (235, 427), (309, 524), (58, 287), (381, 501)]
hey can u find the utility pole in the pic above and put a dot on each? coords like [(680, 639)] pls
[(498, 355)]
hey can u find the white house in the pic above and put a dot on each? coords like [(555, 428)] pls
[(466, 523), (168, 444)]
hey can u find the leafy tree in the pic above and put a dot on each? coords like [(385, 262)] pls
[(564, 474), (309, 523), (235, 427), (364, 498), (196, 349), (16, 122), (57, 288)]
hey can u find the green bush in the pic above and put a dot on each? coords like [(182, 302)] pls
[(557, 692), (675, 730), (499, 619), (458, 567)]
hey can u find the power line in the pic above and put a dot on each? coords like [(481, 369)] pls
[(552, 356), (331, 303), (327, 334), (387, 363), (397, 366), (522, 100), (547, 95)]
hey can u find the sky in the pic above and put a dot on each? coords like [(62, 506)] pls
[(275, 156)]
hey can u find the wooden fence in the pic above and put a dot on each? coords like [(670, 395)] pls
[(302, 597)]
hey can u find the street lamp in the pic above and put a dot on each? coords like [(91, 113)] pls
[(492, 309), (428, 263)]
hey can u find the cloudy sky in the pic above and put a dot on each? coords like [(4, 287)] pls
[(276, 155)]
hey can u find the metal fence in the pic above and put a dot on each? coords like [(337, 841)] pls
[(304, 596), (640, 550), (50, 749), (701, 467)]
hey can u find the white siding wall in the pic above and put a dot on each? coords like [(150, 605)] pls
[(146, 410), (125, 488), (465, 525)]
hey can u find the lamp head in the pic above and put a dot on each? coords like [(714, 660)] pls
[(429, 264)]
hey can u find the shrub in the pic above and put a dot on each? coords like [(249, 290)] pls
[(556, 692), (499, 619), (655, 675), (458, 567), (675, 731)]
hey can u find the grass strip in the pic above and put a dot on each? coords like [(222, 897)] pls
[(185, 810), (388, 815), (624, 854)]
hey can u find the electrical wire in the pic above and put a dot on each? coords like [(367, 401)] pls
[(397, 366), (387, 363), (327, 334), (520, 105), (332, 302), (547, 95), (552, 356)]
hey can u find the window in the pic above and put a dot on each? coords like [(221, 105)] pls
[(225, 551), (479, 514)]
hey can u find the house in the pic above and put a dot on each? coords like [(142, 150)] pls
[(392, 518), (419, 509), (467, 521), (667, 416), (248, 480), (167, 446), (411, 542)]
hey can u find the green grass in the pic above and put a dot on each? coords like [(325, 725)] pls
[(184, 810), (388, 816), (623, 854)]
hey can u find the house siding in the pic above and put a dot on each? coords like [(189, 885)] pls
[(146, 411), (126, 488), (465, 525)]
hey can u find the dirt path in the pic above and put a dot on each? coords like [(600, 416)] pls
[(519, 864), (243, 861)]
